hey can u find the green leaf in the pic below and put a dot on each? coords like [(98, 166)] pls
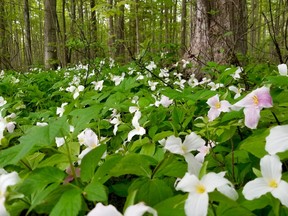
[(40, 178), (255, 144), (148, 149), (103, 172), (140, 142), (95, 191), (35, 138), (171, 166), (81, 117), (162, 135), (151, 191), (90, 162), (136, 164), (69, 203), (40, 195), (278, 80), (175, 206)]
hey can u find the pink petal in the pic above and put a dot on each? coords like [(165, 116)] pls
[(264, 97), (252, 116), (213, 100), (213, 113)]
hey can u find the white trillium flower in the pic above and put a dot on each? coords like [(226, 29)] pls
[(98, 85), (151, 66), (152, 85), (236, 74), (277, 140), (217, 106), (271, 169), (118, 79), (192, 142), (198, 189), (138, 130), (133, 210), (282, 68), (164, 72), (6, 180), (215, 86), (236, 90), (89, 139), (75, 90), (60, 110), (164, 101)]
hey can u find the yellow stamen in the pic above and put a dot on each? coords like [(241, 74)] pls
[(255, 100), (218, 105), (200, 188), (273, 183)]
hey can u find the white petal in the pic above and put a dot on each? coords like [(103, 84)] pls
[(228, 191), (139, 209), (213, 100), (282, 68), (277, 140), (194, 166), (136, 118), (281, 192), (7, 180), (271, 168), (193, 142), (256, 188), (131, 134), (3, 211), (196, 204), (213, 180), (101, 210), (174, 145), (188, 183), (59, 141)]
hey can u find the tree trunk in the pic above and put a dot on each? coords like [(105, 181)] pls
[(27, 33), (94, 36), (50, 38), (213, 38), (111, 41), (183, 26), (120, 47)]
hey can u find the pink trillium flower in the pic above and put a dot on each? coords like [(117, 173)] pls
[(253, 103), (217, 106)]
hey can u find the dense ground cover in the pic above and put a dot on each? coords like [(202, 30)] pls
[(127, 135)]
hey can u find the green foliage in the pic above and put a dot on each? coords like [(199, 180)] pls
[(56, 181)]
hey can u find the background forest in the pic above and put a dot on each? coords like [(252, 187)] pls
[(61, 32), (167, 107)]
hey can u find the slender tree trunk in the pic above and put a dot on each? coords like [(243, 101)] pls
[(137, 42), (50, 38), (94, 35), (183, 26), (64, 39), (3, 37), (27, 33), (120, 47), (111, 41)]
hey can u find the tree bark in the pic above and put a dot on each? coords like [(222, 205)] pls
[(50, 38), (215, 36), (183, 26), (27, 33)]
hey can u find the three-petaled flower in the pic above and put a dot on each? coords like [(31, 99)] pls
[(217, 106), (198, 189), (271, 169), (253, 103), (138, 130)]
